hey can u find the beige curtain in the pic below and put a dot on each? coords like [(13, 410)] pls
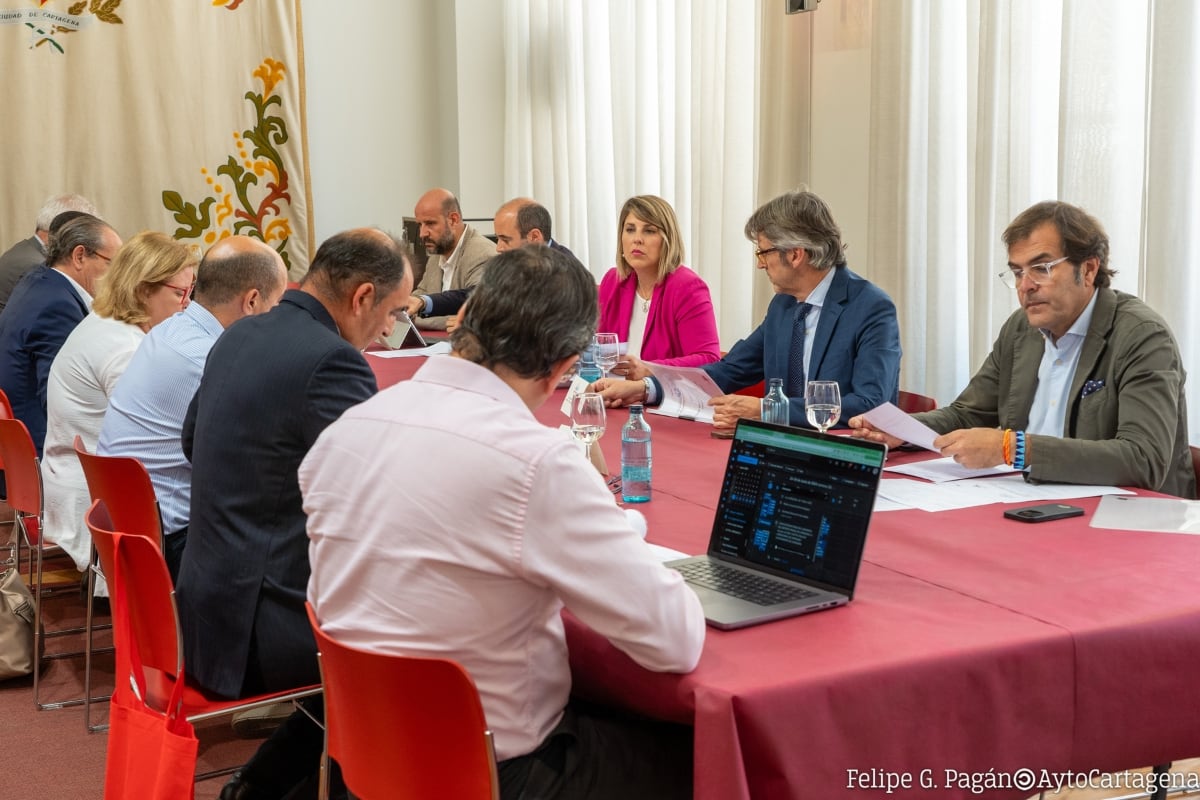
[(182, 116)]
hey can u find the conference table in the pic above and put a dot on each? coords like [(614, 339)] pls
[(979, 654)]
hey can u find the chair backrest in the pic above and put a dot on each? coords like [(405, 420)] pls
[(140, 573), (424, 713), (913, 403), (6, 411), (22, 474), (124, 485)]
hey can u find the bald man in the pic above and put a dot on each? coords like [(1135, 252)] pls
[(518, 222), (458, 251), (238, 277)]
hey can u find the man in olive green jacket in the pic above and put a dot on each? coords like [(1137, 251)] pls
[(1084, 384)]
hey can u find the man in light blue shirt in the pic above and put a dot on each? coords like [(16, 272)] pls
[(238, 277)]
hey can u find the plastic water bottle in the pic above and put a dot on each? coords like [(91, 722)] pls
[(588, 370), (775, 404), (635, 457)]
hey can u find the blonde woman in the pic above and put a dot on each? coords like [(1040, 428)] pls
[(150, 279), (657, 306)]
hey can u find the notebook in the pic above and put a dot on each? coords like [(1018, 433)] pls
[(790, 526), (404, 334)]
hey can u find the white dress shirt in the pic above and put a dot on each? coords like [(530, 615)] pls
[(1051, 400), (445, 520)]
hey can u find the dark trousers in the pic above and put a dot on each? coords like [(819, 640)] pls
[(173, 544), (601, 754)]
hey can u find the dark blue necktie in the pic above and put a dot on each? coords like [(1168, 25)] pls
[(796, 377)]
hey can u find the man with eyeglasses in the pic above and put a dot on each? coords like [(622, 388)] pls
[(825, 323), (1084, 384), (44, 308)]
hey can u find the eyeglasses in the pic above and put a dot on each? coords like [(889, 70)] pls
[(766, 251), (184, 292), (97, 254), (1038, 273)]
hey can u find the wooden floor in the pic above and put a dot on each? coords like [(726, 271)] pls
[(1128, 785)]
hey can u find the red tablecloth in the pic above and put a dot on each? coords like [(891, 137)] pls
[(973, 644)]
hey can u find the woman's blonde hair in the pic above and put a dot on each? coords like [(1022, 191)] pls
[(658, 212), (142, 264)]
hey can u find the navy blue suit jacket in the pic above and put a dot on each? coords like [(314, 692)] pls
[(271, 385), (451, 300), (40, 315), (856, 343)]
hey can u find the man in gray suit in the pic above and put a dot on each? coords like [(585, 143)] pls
[(28, 253), (1084, 383), (458, 251)]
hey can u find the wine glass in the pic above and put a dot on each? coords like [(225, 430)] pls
[(587, 417), (822, 404), (608, 351)]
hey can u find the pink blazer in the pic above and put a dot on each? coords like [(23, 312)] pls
[(682, 328)]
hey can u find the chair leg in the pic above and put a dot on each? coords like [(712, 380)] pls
[(1160, 785), (38, 636), (88, 651)]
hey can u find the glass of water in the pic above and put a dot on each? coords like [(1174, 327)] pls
[(822, 404), (588, 417), (608, 351)]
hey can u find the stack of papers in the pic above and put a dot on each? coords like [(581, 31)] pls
[(1163, 514), (901, 494)]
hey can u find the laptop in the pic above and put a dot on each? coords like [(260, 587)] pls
[(790, 527), (404, 334)]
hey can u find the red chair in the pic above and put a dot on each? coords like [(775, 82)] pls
[(154, 622), (128, 494), (912, 403), (423, 712), (23, 477)]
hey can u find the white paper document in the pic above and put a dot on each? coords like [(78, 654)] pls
[(577, 387), (940, 470), (1160, 514), (686, 392), (891, 420), (967, 493), (436, 349)]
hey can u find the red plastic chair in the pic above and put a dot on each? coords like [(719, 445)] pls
[(423, 712), (154, 622), (912, 403), (23, 477)]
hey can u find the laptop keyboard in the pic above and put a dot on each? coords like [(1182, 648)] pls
[(747, 586)]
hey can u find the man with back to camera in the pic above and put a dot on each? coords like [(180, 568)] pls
[(28, 253), (44, 308), (518, 222), (415, 574), (458, 251), (825, 323), (238, 277), (272, 383), (1084, 384)]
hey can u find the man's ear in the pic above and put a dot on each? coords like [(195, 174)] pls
[(362, 298), (536, 236), (251, 301)]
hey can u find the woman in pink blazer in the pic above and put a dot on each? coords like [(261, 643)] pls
[(659, 307)]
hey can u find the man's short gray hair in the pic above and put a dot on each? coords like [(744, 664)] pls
[(60, 203), (799, 219)]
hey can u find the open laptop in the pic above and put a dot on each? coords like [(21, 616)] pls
[(790, 526), (404, 334)]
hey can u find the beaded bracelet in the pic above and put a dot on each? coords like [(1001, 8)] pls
[(1018, 461), (1006, 447)]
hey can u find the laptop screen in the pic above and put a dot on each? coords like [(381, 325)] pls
[(797, 502)]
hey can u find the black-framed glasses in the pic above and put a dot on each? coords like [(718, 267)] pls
[(1038, 273)]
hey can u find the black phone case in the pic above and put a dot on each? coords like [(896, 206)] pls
[(1044, 512)]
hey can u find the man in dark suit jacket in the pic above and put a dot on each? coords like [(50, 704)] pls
[(518, 222), (825, 323), (271, 385), (44, 308), (29, 253)]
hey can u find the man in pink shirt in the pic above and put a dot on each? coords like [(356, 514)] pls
[(479, 569)]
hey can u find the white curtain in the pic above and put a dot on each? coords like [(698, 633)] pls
[(1096, 102), (607, 100)]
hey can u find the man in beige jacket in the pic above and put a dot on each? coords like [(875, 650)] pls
[(457, 251)]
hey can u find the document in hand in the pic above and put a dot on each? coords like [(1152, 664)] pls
[(894, 422), (686, 392)]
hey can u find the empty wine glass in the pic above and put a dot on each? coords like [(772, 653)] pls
[(587, 417), (822, 404), (608, 351)]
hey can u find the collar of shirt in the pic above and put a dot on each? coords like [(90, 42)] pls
[(452, 259), (467, 375), (79, 290), (1079, 327), (816, 298), (204, 318)]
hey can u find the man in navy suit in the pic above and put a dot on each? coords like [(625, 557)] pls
[(271, 385), (44, 308), (825, 323)]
